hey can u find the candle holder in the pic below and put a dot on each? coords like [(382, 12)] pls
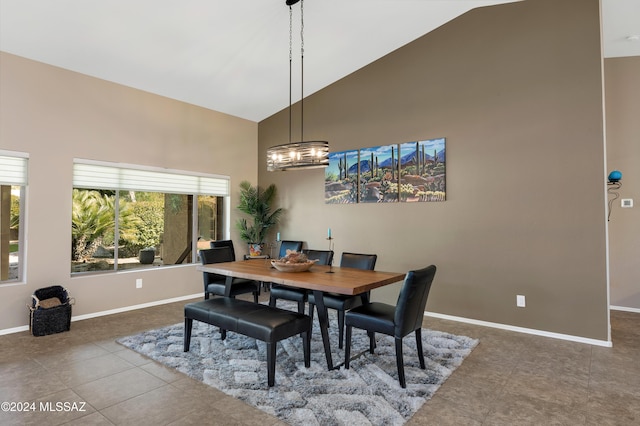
[(330, 271)]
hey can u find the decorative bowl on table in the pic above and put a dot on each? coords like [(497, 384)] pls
[(293, 267)]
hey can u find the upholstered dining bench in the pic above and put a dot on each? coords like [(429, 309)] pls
[(261, 322)]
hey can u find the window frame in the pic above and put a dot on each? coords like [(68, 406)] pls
[(15, 172), (101, 175)]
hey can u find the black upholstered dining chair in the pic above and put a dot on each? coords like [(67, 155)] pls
[(288, 245), (397, 321), (215, 284), (225, 243), (323, 257), (300, 295), (288, 293), (228, 243), (341, 302)]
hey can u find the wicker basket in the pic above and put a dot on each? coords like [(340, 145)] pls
[(50, 311)]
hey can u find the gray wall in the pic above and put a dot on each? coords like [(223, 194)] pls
[(56, 115), (517, 91), (622, 89)]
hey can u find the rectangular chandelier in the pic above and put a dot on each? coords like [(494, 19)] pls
[(298, 155)]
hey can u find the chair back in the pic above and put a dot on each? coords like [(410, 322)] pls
[(289, 245), (224, 243), (215, 255), (412, 300), (358, 261), (324, 257)]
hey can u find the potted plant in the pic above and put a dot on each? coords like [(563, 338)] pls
[(258, 204), (147, 255)]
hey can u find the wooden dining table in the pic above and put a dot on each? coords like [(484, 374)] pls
[(319, 279)]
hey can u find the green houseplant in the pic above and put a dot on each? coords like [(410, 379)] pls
[(258, 204)]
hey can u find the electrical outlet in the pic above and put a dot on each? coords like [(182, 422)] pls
[(139, 283), (626, 203), (520, 301)]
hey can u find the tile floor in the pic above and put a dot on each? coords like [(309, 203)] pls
[(509, 379)]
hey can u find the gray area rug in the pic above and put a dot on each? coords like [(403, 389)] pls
[(366, 394)]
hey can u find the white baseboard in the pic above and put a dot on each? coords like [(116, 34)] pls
[(14, 330), (624, 308), (560, 336), (111, 311), (431, 314), (134, 307)]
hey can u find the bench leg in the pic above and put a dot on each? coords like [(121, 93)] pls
[(271, 363), (188, 324)]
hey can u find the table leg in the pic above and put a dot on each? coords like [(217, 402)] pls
[(323, 320)]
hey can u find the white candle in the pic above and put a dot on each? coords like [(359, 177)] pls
[(329, 233), (278, 236)]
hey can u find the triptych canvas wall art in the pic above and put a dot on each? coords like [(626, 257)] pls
[(406, 172)]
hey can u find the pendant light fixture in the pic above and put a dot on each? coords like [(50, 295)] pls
[(303, 154)]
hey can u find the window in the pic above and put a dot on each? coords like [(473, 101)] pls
[(13, 183), (125, 217)]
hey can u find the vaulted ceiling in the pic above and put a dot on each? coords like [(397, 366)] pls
[(233, 56)]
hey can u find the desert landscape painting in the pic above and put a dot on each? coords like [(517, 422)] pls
[(407, 172)]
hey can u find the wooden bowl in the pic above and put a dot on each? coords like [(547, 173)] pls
[(293, 267)]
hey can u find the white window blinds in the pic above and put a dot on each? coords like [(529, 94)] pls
[(99, 176), (13, 170)]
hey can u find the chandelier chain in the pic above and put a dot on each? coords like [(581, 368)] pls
[(301, 70), (290, 63)]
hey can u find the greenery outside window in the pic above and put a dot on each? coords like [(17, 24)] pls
[(131, 218), (13, 183)]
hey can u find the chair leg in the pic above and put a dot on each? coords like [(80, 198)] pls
[(311, 309), (272, 300), (341, 329), (256, 294), (400, 363), (301, 307), (188, 324), (419, 347), (223, 334), (347, 348), (271, 363), (372, 341), (306, 348)]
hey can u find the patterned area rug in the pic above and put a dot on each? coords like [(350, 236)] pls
[(367, 393)]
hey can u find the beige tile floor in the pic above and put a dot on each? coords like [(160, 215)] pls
[(509, 379)]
